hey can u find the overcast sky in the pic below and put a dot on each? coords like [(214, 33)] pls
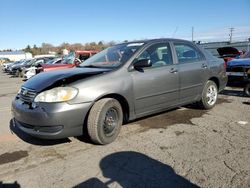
[(32, 22)]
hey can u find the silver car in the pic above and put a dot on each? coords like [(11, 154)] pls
[(119, 84)]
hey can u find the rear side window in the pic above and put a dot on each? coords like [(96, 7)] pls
[(187, 53)]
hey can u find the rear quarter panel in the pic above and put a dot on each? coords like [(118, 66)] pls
[(216, 69)]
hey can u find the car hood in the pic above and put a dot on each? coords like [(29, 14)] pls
[(239, 62), (48, 80), (227, 51)]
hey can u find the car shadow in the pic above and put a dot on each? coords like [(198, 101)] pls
[(233, 92), (132, 169), (151, 115), (10, 185), (32, 140), (246, 103)]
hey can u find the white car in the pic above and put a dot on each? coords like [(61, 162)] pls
[(31, 71)]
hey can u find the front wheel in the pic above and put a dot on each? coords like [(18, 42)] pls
[(209, 95), (104, 121)]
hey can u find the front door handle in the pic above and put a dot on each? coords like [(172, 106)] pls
[(173, 70), (204, 66)]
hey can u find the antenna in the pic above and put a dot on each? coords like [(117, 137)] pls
[(176, 29)]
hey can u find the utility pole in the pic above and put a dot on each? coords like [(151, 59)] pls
[(231, 34), (192, 34)]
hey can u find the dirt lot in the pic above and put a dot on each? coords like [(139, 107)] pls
[(184, 147)]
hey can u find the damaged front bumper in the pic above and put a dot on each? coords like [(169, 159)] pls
[(50, 120)]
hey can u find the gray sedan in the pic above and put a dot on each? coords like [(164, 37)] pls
[(119, 84)]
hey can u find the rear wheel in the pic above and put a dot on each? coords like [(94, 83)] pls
[(104, 121), (17, 73), (247, 90), (209, 95)]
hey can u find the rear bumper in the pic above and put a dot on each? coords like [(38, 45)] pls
[(50, 121)]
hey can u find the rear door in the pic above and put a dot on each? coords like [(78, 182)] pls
[(156, 87), (193, 71)]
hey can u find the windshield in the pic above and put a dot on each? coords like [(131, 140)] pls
[(26, 62), (112, 57), (31, 62), (69, 59)]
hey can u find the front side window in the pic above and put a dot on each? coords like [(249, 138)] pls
[(159, 55), (187, 53)]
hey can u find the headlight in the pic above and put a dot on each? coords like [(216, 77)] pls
[(58, 94)]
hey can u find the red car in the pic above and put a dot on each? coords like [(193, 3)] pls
[(230, 53), (73, 59)]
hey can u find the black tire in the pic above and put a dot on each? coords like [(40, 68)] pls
[(18, 73), (22, 74), (207, 102), (99, 123), (247, 90)]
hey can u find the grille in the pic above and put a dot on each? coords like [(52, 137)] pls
[(27, 95), (235, 69)]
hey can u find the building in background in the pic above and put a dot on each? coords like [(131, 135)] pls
[(16, 55)]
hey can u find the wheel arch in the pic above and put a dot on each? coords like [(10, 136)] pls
[(123, 102), (216, 81)]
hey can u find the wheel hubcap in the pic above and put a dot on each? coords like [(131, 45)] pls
[(110, 122), (211, 95)]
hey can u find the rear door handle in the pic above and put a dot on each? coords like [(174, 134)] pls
[(204, 66), (173, 70)]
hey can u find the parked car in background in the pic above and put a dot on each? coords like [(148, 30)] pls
[(119, 84), (32, 71), (32, 63), (13, 69), (72, 60), (4, 60), (7, 66), (238, 71), (228, 53)]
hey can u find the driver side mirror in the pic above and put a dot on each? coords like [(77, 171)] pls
[(142, 63)]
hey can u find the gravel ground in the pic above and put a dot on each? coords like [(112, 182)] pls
[(184, 147)]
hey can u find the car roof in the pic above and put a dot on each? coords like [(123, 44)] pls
[(156, 40)]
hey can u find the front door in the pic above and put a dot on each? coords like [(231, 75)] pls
[(156, 87)]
